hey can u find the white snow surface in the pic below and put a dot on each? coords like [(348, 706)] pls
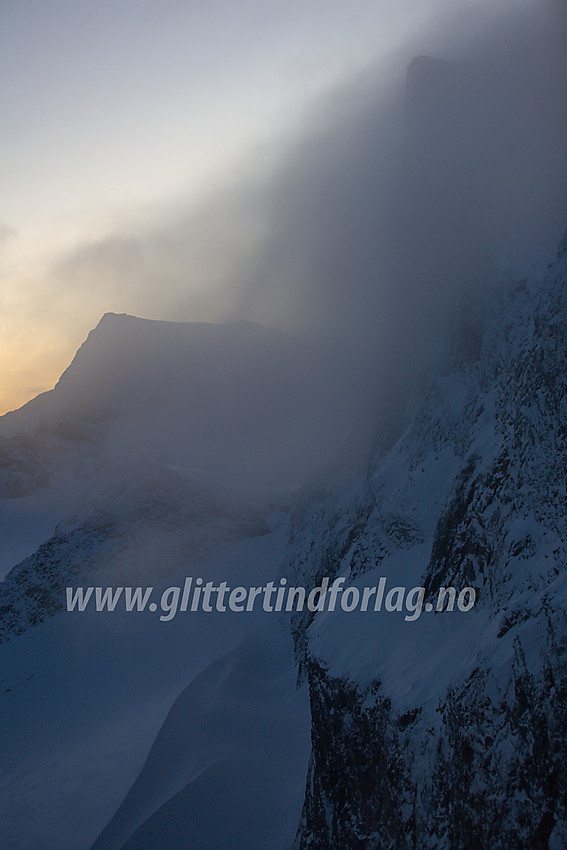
[(83, 695)]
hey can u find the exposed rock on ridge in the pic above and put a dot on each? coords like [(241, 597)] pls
[(449, 732)]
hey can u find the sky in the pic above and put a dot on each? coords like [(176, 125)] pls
[(202, 161)]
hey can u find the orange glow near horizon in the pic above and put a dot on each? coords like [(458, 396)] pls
[(24, 374), (33, 356)]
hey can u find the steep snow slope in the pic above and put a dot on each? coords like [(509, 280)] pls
[(228, 766), (83, 695), (449, 731)]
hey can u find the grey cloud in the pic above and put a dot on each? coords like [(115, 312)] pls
[(394, 203), (391, 205)]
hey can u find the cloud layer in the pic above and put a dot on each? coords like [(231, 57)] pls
[(393, 188)]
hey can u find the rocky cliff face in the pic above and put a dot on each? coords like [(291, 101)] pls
[(449, 731), (134, 515)]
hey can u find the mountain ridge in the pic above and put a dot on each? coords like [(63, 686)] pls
[(457, 720)]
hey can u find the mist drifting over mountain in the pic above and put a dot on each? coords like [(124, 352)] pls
[(358, 373), (437, 171), (404, 187)]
